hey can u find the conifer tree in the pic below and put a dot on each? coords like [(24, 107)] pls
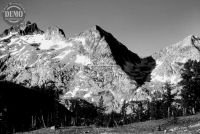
[(190, 83), (168, 97)]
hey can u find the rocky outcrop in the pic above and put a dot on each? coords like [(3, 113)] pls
[(30, 28), (171, 59), (27, 28)]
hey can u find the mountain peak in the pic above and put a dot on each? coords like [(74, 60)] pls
[(191, 41), (26, 28), (95, 32), (30, 28), (97, 28), (54, 32), (195, 40), (170, 59)]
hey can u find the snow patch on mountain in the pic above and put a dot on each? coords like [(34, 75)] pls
[(87, 95), (81, 59), (8, 36), (2, 56), (36, 38), (18, 51), (3, 49), (49, 44), (13, 41), (158, 63), (74, 92), (63, 54), (46, 44), (174, 79)]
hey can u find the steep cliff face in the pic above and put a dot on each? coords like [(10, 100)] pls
[(88, 66), (136, 68), (30, 28)]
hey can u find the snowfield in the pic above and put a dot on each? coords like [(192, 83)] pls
[(81, 59)]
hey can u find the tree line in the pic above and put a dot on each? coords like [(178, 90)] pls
[(23, 109)]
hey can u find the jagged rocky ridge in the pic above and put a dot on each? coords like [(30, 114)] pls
[(89, 65), (24, 29)]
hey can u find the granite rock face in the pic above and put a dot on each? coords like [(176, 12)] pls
[(171, 59), (89, 65)]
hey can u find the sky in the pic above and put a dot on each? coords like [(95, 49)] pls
[(144, 26)]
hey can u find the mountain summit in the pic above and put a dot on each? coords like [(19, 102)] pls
[(89, 66)]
